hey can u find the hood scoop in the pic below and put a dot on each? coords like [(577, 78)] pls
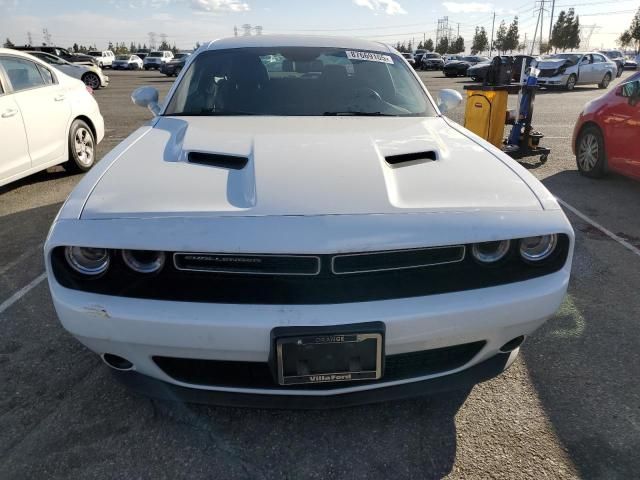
[(411, 158), (232, 162)]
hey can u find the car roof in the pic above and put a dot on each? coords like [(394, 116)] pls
[(295, 41), (18, 53)]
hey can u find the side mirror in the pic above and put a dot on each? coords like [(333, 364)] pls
[(146, 97), (448, 100)]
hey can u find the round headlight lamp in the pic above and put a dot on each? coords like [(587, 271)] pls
[(536, 249), (144, 261), (88, 260), (490, 252)]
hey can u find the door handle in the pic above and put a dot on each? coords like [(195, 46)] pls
[(59, 98), (10, 112)]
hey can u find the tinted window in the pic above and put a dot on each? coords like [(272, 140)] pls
[(598, 58), (22, 74), (307, 81), (46, 75)]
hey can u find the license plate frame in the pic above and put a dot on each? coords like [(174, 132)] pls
[(315, 350)]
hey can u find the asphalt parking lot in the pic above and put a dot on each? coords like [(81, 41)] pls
[(569, 407)]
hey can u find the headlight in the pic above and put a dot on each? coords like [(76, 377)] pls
[(87, 260), (490, 252), (144, 261), (536, 249)]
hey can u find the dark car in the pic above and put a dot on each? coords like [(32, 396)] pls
[(175, 66), (432, 61), (617, 56), (478, 72), (63, 53), (410, 59), (459, 67), (142, 55)]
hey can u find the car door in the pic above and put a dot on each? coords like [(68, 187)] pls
[(621, 120), (586, 72), (14, 154), (44, 107), (599, 67)]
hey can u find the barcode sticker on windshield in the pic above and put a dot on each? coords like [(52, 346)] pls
[(369, 56)]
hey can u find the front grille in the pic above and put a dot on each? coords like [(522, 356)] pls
[(548, 72), (222, 373), (298, 280)]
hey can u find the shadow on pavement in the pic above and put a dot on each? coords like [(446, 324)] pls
[(585, 362), (51, 173)]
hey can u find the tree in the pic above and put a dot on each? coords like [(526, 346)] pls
[(8, 44), (573, 30), (480, 41), (558, 32), (132, 48), (428, 45), (457, 46), (409, 47), (443, 46), (545, 48), (501, 38), (632, 35), (420, 46), (164, 46), (513, 36)]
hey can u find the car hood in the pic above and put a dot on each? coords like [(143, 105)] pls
[(554, 63), (454, 63), (304, 166)]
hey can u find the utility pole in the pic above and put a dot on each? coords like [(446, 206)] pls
[(541, 22), (493, 26), (30, 39), (535, 33), (458, 31), (47, 36), (553, 7)]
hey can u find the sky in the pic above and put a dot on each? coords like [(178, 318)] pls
[(186, 22)]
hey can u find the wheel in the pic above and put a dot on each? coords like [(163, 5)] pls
[(605, 81), (82, 147), (620, 70), (100, 64), (544, 158), (590, 154), (146, 68), (92, 80), (177, 71), (571, 82)]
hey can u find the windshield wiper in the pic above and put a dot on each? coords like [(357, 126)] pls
[(360, 114), (209, 113)]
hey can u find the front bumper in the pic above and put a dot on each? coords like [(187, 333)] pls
[(464, 379), (557, 80), (139, 330)]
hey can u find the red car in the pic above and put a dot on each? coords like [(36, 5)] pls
[(607, 134)]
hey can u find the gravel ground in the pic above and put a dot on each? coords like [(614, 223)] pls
[(569, 407)]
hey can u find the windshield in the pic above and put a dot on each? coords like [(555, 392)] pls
[(432, 55), (306, 81), (95, 54), (178, 56), (155, 54), (612, 54), (470, 59), (122, 57)]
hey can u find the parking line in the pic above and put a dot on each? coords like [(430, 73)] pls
[(607, 232), (22, 292), (18, 259)]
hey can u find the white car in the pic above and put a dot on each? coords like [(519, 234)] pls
[(91, 75), (46, 118), (301, 239), (127, 62), (156, 59), (570, 69), (104, 58)]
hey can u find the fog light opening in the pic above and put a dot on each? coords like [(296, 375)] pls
[(511, 345), (116, 362)]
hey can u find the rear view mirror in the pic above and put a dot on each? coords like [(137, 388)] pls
[(448, 100), (146, 97)]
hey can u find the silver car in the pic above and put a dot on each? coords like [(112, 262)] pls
[(570, 69)]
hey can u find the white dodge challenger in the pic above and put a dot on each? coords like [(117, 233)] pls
[(300, 226)]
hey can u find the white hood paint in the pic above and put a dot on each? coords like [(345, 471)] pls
[(304, 166)]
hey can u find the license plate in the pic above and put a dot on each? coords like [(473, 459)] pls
[(341, 353)]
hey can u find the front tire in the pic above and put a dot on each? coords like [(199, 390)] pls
[(82, 148), (590, 153), (571, 82), (605, 81), (92, 80)]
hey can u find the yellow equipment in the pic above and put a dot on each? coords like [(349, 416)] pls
[(486, 111)]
